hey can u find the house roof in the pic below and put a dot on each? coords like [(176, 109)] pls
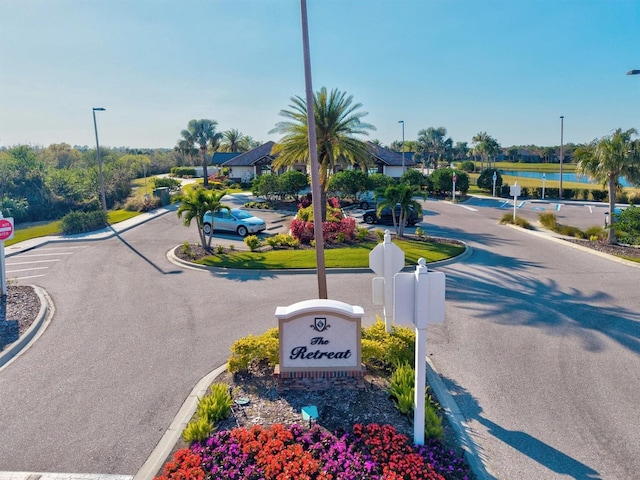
[(252, 157), (218, 158), (389, 157)]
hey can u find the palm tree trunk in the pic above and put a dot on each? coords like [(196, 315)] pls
[(611, 234), (205, 173)]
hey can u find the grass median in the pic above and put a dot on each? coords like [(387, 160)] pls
[(353, 256)]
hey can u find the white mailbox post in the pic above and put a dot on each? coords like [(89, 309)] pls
[(419, 301), (514, 191), (385, 259)]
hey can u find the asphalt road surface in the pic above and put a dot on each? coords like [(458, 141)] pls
[(539, 347)]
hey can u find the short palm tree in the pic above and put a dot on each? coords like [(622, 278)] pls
[(606, 160), (201, 133), (401, 195), (338, 120), (195, 203)]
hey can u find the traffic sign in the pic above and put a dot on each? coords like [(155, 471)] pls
[(6, 228)]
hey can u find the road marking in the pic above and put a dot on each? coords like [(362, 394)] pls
[(35, 261), (45, 254), (558, 205), (24, 278), (590, 208), (522, 204), (468, 208), (27, 269)]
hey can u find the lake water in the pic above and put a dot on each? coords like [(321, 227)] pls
[(566, 177)]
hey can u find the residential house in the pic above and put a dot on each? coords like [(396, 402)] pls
[(248, 165)]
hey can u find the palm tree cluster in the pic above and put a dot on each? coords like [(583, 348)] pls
[(608, 159), (201, 135)]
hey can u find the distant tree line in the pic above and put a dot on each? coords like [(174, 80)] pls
[(46, 183)]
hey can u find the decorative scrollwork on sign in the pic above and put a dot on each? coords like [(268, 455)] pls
[(320, 324)]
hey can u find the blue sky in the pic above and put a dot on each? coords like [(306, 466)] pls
[(507, 67)]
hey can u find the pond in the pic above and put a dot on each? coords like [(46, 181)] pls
[(566, 177)]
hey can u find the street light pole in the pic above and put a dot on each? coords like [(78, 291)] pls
[(103, 198), (402, 122), (313, 159), (561, 151)]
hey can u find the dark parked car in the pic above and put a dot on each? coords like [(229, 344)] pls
[(371, 216)]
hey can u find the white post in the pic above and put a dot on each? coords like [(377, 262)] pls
[(454, 187), (421, 385), (3, 270), (495, 177), (515, 192), (544, 178), (389, 272)]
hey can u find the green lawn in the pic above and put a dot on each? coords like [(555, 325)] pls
[(356, 256), (55, 228)]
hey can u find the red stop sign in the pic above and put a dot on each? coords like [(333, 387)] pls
[(6, 228)]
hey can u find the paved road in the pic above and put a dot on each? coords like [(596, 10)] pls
[(540, 348), (132, 335)]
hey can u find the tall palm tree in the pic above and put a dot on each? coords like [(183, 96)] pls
[(606, 160), (202, 133), (195, 203), (337, 120), (486, 146), (401, 195)]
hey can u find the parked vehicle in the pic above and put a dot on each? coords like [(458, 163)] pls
[(366, 200), (234, 220), (371, 216)]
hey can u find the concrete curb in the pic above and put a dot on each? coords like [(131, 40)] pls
[(293, 271), (457, 421), (36, 329), (159, 454), (561, 240)]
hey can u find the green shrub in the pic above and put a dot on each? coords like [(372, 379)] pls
[(197, 430), (401, 387), (144, 203), (570, 231), (385, 350), (183, 172), (216, 405), (171, 183), (519, 221), (282, 240), (432, 422), (595, 233), (627, 225), (81, 222), (253, 242), (548, 220), (254, 349), (361, 233)]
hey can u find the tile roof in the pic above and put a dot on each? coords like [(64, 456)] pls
[(389, 157), (252, 156), (219, 158)]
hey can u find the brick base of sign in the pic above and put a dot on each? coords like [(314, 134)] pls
[(312, 380)]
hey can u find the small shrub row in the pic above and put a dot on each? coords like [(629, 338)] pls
[(519, 221), (402, 390), (258, 205), (144, 203), (81, 222), (548, 220), (282, 240), (183, 172), (211, 408), (254, 348)]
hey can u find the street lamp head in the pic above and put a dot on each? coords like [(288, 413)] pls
[(401, 121), (561, 116), (98, 109), (633, 72)]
